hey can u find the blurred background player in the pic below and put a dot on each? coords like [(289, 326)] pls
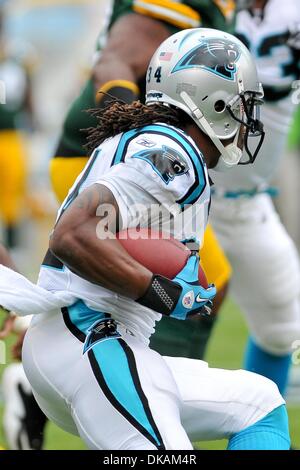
[(15, 107), (53, 31), (263, 256), (49, 33), (23, 421), (119, 70), (288, 175)]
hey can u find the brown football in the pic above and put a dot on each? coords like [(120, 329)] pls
[(158, 252)]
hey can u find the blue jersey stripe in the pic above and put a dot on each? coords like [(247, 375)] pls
[(83, 317), (122, 146), (115, 369), (114, 366)]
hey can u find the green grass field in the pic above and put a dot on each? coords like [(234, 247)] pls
[(225, 350)]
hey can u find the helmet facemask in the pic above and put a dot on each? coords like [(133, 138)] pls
[(249, 102), (243, 108)]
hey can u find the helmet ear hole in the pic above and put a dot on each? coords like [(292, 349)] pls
[(220, 106)]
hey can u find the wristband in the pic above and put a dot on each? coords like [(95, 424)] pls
[(162, 295)]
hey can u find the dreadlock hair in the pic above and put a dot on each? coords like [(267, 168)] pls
[(119, 117)]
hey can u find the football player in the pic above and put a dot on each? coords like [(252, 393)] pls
[(119, 71), (23, 421), (15, 100), (94, 354), (263, 256)]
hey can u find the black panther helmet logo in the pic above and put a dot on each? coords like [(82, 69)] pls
[(165, 161), (100, 331), (218, 56)]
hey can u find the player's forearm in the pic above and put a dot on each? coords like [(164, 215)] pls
[(103, 262), (111, 69), (80, 241)]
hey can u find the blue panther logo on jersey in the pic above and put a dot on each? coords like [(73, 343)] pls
[(165, 161), (218, 56)]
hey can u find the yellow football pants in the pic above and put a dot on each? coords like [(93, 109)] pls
[(213, 260), (64, 171), (12, 176)]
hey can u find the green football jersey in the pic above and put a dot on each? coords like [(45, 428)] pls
[(176, 15)]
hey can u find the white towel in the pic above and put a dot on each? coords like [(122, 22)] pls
[(26, 298)]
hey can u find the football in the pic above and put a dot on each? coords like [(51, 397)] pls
[(158, 252)]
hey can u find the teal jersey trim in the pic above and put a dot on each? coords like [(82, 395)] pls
[(53, 267), (273, 192), (114, 366), (83, 317), (122, 146)]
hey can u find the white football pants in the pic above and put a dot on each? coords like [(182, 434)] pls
[(266, 280), (122, 395)]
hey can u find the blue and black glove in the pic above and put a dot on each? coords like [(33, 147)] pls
[(182, 296)]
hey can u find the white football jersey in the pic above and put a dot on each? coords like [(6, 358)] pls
[(158, 171), (273, 38), (14, 76)]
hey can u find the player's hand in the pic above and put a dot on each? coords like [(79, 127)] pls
[(194, 299), (181, 296), (7, 326)]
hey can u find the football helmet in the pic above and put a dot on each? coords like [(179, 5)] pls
[(210, 75)]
